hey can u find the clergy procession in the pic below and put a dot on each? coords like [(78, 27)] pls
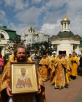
[(56, 69), (59, 69), (33, 65)]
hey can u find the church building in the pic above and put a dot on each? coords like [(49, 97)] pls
[(33, 37), (7, 38), (65, 39)]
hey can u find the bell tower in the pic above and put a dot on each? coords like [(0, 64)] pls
[(65, 24)]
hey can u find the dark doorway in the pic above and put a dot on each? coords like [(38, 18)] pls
[(0, 50)]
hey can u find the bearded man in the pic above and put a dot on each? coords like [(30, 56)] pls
[(60, 66), (19, 56), (44, 66)]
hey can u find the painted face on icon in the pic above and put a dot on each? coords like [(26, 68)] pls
[(23, 71)]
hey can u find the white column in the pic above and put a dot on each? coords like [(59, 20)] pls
[(68, 26), (3, 51), (63, 27), (58, 48), (52, 46), (71, 51), (77, 49)]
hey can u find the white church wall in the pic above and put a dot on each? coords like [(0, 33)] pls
[(66, 45), (6, 36)]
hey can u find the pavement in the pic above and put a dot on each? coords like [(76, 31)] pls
[(71, 94), (79, 97)]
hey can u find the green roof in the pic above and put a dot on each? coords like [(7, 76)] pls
[(80, 43), (65, 34), (5, 28), (12, 34)]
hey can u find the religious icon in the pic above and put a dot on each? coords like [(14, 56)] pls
[(23, 78)]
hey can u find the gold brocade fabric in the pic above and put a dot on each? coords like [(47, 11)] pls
[(52, 73), (5, 82), (43, 69), (68, 67), (30, 59), (69, 72), (44, 72), (53, 59), (68, 62), (5, 76), (49, 62), (59, 64), (74, 65)]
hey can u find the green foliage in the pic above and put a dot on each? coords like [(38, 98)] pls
[(6, 56), (36, 46), (39, 45)]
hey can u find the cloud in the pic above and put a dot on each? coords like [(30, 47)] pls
[(47, 14), (76, 25), (2, 13), (20, 28), (17, 4), (74, 13), (55, 4), (36, 1), (3, 16), (9, 2), (51, 29), (29, 16), (74, 4)]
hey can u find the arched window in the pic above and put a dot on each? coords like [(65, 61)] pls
[(1, 36), (65, 25)]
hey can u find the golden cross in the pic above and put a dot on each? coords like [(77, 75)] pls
[(65, 13)]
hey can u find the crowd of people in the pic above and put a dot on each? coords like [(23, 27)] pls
[(58, 69)]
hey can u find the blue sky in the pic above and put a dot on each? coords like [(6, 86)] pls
[(43, 15)]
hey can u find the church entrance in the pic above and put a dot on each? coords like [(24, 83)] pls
[(74, 47)]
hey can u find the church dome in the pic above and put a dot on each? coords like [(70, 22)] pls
[(65, 19), (65, 34)]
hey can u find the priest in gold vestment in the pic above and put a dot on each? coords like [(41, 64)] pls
[(44, 66), (68, 67), (74, 61), (60, 66), (52, 75), (70, 57), (19, 56)]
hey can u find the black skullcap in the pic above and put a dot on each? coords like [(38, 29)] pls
[(60, 52), (64, 52), (44, 53)]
